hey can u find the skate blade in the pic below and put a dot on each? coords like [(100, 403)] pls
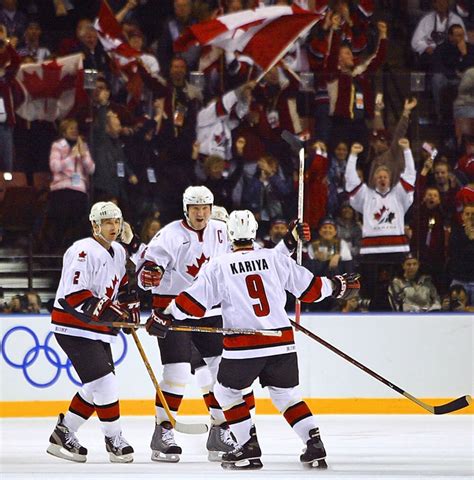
[(247, 464), (128, 458), (214, 456), (321, 464), (164, 457), (60, 452)]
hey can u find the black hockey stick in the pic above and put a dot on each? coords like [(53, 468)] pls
[(449, 407), (176, 328)]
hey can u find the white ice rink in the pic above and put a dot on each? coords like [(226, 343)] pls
[(385, 447)]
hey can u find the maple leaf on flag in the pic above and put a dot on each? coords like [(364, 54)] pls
[(50, 85), (193, 270)]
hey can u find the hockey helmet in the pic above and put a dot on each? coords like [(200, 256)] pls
[(104, 210), (219, 213), (199, 195), (242, 226)]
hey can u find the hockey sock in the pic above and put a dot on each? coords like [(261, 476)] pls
[(249, 398), (106, 404), (217, 415), (79, 412), (173, 385), (301, 419)]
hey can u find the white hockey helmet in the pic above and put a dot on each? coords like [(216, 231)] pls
[(199, 195), (104, 210), (219, 213), (242, 226)]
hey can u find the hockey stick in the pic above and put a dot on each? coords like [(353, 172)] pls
[(191, 428), (299, 247), (449, 407), (183, 328)]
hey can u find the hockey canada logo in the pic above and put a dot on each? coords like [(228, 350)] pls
[(384, 215), (193, 270)]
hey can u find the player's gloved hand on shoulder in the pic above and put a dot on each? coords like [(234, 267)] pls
[(104, 310), (158, 324), (345, 286), (129, 239), (150, 274), (297, 230), (130, 302)]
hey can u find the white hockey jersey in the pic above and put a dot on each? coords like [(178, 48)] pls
[(89, 270), (383, 229), (250, 286), (181, 252)]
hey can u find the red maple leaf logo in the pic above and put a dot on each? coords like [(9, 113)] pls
[(193, 270), (109, 291), (83, 254), (50, 85)]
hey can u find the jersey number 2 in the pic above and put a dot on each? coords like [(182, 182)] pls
[(257, 291)]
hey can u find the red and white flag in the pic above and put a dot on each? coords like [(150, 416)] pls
[(264, 34), (110, 33), (50, 88)]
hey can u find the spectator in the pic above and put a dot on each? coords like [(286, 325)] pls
[(383, 209), (349, 228), (461, 252), (151, 226), (278, 230), (173, 27), (336, 182), (14, 20), (413, 292), (465, 171), (30, 302), (351, 96), (432, 30), (457, 300), (9, 64), (445, 183), (112, 172), (450, 59), (31, 46), (463, 109), (71, 164), (384, 151), (330, 254), (266, 192)]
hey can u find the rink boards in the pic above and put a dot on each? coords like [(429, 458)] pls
[(431, 356)]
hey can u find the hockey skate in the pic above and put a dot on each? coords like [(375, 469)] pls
[(64, 443), (220, 441), (314, 454), (120, 451), (244, 457), (163, 446)]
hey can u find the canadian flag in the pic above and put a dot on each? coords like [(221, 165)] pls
[(110, 33), (264, 34), (50, 88)]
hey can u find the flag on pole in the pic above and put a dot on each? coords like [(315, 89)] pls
[(264, 34), (50, 88)]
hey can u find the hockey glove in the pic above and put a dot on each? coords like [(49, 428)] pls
[(297, 230), (131, 303), (345, 286), (104, 310), (158, 324), (129, 239), (150, 274)]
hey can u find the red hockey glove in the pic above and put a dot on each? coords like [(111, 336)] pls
[(345, 286), (150, 274), (131, 303), (158, 324), (297, 230), (104, 310)]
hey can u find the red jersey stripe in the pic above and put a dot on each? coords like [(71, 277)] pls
[(313, 292), (76, 298), (162, 301), (188, 305), (60, 317), (384, 240)]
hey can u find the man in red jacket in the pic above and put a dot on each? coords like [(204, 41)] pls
[(9, 64)]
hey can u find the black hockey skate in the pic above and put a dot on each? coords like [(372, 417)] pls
[(64, 443), (219, 441), (120, 451), (163, 446), (244, 457), (314, 454)]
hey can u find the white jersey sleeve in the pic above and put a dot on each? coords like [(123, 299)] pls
[(354, 187)]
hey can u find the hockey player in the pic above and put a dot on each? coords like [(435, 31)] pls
[(94, 282), (250, 285), (170, 264)]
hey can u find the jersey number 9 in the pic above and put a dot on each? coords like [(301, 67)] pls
[(256, 291)]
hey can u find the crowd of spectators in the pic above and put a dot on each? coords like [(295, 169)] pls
[(375, 200)]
